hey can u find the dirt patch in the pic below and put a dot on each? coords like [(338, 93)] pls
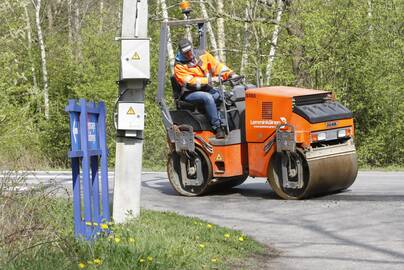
[(258, 261)]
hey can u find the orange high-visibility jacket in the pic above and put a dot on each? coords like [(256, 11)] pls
[(196, 75)]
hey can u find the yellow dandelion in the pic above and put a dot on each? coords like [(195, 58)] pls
[(241, 239), (141, 260), (104, 226), (117, 240), (149, 258), (226, 235), (131, 240), (201, 245), (97, 261), (82, 265), (214, 260), (209, 226)]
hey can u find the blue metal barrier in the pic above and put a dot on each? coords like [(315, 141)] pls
[(89, 149)]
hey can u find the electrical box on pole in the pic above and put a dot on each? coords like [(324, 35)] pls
[(130, 110)]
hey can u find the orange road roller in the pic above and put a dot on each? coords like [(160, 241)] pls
[(301, 140)]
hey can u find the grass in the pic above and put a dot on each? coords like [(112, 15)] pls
[(36, 232)]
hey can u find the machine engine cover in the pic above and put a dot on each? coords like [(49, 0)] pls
[(322, 112)]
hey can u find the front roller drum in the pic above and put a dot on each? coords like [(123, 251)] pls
[(324, 171), (184, 180)]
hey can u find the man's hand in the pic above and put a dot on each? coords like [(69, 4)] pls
[(233, 75), (215, 79)]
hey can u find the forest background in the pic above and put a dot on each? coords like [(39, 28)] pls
[(53, 50)]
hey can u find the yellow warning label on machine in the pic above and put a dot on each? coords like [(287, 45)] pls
[(136, 56), (219, 157), (131, 111)]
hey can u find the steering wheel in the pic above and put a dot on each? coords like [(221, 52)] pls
[(234, 80)]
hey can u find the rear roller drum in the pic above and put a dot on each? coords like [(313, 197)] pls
[(184, 180), (292, 176)]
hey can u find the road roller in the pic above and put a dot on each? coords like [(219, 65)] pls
[(299, 140)]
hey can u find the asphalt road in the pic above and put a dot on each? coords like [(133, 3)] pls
[(362, 228)]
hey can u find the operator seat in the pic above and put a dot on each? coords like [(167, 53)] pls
[(187, 113), (179, 103)]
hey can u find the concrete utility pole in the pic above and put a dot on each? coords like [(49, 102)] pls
[(134, 75)]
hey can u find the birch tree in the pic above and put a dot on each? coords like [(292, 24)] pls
[(41, 43), (76, 31), (29, 44), (49, 14), (211, 34), (170, 49), (70, 22), (295, 30), (101, 15), (274, 42), (220, 32), (244, 55)]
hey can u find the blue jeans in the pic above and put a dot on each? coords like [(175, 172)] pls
[(208, 99)]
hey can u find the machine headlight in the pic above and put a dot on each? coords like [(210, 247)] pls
[(342, 133), (321, 136)]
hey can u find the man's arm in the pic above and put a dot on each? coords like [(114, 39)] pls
[(185, 78), (217, 67)]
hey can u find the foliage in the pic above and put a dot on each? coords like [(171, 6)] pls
[(354, 48), (36, 232)]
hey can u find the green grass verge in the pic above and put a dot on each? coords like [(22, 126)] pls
[(156, 240)]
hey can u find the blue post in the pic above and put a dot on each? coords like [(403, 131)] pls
[(88, 149), (93, 145), (76, 146), (104, 163), (85, 164)]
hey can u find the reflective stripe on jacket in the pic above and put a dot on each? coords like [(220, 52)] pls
[(195, 75)]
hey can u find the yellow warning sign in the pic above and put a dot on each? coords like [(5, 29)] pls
[(136, 56), (219, 157), (131, 111)]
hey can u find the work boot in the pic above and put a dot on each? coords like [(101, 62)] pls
[(220, 134)]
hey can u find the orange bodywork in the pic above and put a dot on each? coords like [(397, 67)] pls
[(265, 109), (226, 161)]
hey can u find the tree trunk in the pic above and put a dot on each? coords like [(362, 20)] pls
[(211, 34), (220, 32), (370, 15), (49, 14), (37, 6), (170, 49), (244, 56), (76, 32), (274, 43), (29, 43), (188, 32), (294, 28), (101, 16), (70, 22), (258, 72)]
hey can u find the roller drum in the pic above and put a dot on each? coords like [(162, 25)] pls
[(325, 170)]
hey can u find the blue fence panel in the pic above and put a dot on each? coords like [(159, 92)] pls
[(89, 155)]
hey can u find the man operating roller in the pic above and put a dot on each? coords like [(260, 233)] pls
[(195, 71)]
